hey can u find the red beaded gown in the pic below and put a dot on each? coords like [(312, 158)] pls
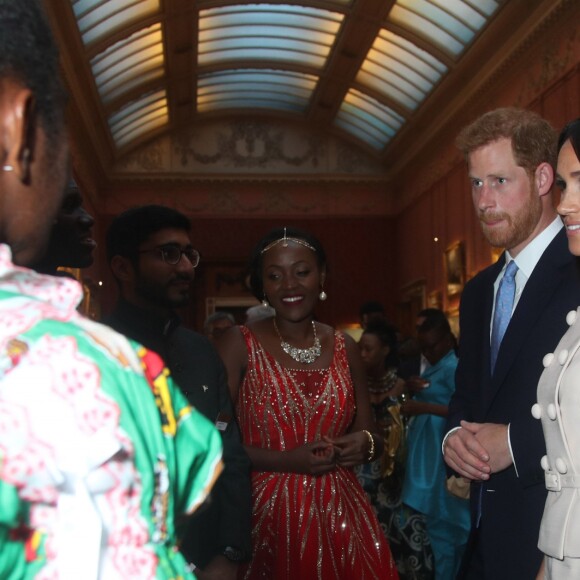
[(306, 527)]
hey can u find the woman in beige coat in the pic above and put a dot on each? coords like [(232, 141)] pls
[(558, 405)]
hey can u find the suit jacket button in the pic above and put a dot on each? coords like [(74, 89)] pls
[(544, 463), (571, 317), (552, 411), (536, 411)]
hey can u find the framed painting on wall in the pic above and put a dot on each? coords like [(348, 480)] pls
[(454, 269)]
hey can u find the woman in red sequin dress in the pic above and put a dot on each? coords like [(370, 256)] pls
[(302, 405)]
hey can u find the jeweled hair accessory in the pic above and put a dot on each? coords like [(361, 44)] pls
[(284, 241)]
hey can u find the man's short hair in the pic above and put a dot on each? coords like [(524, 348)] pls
[(133, 227), (533, 138)]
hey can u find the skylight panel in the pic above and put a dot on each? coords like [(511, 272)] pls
[(463, 12), (486, 7), (439, 17), (399, 70), (368, 119), (285, 33), (97, 18), (139, 117), (428, 30), (126, 64), (450, 25), (259, 88)]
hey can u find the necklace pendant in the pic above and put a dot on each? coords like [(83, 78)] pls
[(301, 355)]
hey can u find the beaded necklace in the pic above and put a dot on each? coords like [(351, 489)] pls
[(301, 355)]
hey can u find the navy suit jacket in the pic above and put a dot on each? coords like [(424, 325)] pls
[(512, 504)]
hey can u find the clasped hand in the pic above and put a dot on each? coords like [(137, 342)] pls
[(477, 450), (323, 456)]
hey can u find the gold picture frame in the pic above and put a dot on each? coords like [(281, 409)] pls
[(454, 262)]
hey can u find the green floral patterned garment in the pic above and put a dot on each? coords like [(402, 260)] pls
[(100, 454)]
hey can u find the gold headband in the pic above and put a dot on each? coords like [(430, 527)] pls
[(284, 241)]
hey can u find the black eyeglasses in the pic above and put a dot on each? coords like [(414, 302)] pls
[(171, 254)]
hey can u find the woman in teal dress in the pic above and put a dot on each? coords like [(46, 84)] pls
[(382, 479), (424, 487)]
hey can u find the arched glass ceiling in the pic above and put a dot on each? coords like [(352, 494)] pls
[(403, 73), (99, 18), (255, 88), (267, 32), (274, 57)]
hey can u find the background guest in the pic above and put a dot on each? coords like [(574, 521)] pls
[(153, 260), (71, 244), (382, 479), (424, 487), (259, 312)]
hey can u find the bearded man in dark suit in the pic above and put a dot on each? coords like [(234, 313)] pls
[(492, 438)]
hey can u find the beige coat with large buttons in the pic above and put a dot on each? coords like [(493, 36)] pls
[(558, 408)]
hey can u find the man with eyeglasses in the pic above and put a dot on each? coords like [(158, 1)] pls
[(152, 258)]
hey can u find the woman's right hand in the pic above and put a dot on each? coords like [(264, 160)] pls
[(315, 458)]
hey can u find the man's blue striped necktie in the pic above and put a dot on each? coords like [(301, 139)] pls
[(504, 304)]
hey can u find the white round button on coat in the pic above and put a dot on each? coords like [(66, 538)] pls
[(561, 466), (547, 360)]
